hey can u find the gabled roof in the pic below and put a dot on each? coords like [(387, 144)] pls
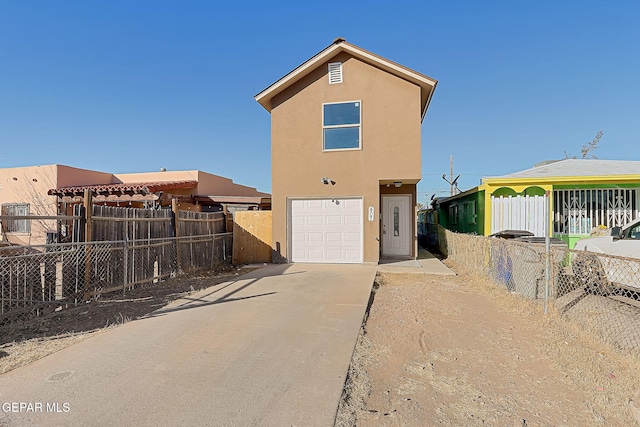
[(576, 168), (427, 84)]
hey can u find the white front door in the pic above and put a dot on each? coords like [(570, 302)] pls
[(396, 225)]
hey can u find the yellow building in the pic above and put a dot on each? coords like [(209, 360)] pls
[(583, 194)]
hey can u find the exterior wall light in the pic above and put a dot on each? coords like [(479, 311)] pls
[(326, 181), (397, 184)]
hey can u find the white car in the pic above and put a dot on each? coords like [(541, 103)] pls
[(606, 274)]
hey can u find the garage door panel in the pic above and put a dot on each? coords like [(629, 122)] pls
[(297, 221), (353, 253), (326, 230), (315, 237), (314, 253), (298, 204), (315, 220), (352, 237), (299, 237), (297, 254), (334, 254), (352, 203), (334, 220), (352, 219), (334, 237)]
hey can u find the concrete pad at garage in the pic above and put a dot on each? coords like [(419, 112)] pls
[(425, 263), (271, 349)]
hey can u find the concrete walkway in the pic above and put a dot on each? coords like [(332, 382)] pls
[(426, 263), (270, 349)]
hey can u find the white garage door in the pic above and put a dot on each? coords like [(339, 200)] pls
[(326, 230)]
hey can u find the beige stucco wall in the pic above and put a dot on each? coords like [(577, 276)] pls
[(69, 176), (208, 184), (30, 185), (391, 121), (156, 176)]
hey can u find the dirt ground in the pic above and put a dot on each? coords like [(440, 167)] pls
[(435, 350), (458, 351)]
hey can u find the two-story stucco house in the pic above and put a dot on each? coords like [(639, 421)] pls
[(346, 157)]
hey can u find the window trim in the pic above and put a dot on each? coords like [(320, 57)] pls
[(359, 126), (8, 224), (453, 214), (470, 212)]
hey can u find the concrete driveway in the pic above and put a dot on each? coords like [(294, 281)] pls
[(270, 349)]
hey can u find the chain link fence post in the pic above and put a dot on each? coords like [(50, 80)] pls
[(547, 252)]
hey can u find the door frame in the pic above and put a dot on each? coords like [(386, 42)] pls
[(409, 228)]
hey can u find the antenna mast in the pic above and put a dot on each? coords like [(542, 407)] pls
[(453, 183)]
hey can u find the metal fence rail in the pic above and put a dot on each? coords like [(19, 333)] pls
[(37, 279), (599, 292)]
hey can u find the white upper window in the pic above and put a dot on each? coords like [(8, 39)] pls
[(341, 126), (335, 72)]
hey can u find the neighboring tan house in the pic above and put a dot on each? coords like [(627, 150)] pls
[(583, 194), (346, 157), (53, 189), (23, 191)]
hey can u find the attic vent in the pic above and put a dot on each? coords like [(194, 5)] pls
[(335, 72)]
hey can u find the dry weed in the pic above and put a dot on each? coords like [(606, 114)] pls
[(608, 374), (14, 355), (357, 386)]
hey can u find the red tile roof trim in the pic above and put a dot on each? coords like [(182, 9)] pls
[(123, 188)]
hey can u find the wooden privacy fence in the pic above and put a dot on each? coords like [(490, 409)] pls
[(113, 249), (252, 237), (199, 223), (91, 222), (116, 223)]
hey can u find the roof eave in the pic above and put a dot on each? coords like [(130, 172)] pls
[(264, 97), (559, 180), (426, 105), (460, 195), (421, 80)]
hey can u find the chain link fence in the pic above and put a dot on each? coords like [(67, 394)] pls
[(36, 280), (600, 292)]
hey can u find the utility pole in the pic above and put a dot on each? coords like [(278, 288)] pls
[(453, 183)]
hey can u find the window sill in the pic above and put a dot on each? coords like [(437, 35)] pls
[(331, 150)]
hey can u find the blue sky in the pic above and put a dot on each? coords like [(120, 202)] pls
[(128, 86)]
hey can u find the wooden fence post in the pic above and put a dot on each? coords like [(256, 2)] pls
[(125, 264), (88, 226), (174, 209)]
